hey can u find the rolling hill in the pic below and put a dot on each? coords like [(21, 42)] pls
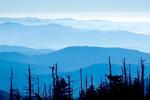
[(73, 58), (93, 60), (24, 50), (56, 36)]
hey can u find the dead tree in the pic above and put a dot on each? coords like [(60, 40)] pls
[(124, 71), (110, 67), (60, 86), (81, 89), (110, 71), (69, 88), (45, 92), (29, 83), (11, 85), (53, 81), (142, 75)]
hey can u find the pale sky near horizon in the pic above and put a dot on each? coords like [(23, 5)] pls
[(117, 10)]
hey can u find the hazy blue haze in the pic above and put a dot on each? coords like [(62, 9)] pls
[(73, 58), (24, 50), (56, 36), (60, 33)]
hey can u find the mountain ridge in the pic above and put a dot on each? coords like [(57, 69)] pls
[(72, 58), (58, 36), (77, 57), (24, 50)]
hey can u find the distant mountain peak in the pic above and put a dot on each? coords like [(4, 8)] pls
[(11, 25), (24, 50)]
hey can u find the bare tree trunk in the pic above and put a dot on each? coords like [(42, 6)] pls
[(110, 67), (45, 91), (29, 83), (11, 85), (54, 83), (69, 88), (125, 71), (110, 71), (142, 76)]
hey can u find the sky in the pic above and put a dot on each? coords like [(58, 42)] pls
[(81, 9), (68, 6)]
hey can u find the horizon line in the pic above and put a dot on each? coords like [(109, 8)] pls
[(114, 17), (90, 46)]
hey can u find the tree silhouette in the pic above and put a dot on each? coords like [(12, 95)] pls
[(11, 85)]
